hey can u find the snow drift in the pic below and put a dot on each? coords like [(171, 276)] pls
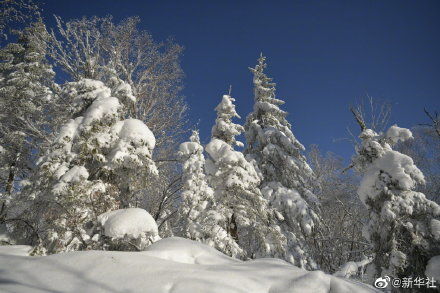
[(172, 265), (133, 222)]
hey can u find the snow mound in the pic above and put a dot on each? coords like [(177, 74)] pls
[(133, 222), (188, 252), (433, 268), (17, 250), (161, 270)]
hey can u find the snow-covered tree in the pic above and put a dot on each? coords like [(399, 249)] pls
[(224, 128), (95, 164), (198, 218), (16, 13), (287, 177), (403, 226), (26, 108), (342, 213), (245, 214), (196, 193), (99, 47)]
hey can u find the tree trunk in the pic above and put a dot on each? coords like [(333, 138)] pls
[(11, 177), (233, 228)]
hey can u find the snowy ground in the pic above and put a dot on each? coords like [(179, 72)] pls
[(172, 265)]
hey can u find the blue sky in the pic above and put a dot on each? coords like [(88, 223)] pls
[(323, 55)]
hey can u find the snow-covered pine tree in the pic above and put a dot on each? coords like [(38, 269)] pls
[(245, 215), (91, 167), (198, 218), (403, 226), (287, 177), (26, 103), (197, 195), (224, 128)]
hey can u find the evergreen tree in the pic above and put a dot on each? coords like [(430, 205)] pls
[(198, 218), (246, 216), (26, 104), (403, 226), (287, 177), (28, 112), (91, 167), (224, 128), (196, 193)]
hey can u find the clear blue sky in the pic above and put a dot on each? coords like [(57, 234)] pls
[(323, 55)]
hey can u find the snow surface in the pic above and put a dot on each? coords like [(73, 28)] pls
[(17, 250), (433, 268), (172, 265), (132, 222)]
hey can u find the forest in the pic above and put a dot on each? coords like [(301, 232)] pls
[(93, 126)]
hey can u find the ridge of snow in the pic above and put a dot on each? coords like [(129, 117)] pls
[(172, 265)]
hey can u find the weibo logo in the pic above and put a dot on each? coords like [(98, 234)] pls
[(382, 282)]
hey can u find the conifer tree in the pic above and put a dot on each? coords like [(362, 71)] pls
[(28, 112), (26, 104), (90, 168), (287, 177), (198, 218), (403, 226), (196, 193), (246, 216)]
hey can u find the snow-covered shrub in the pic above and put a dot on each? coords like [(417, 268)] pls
[(125, 229), (352, 268), (286, 176), (92, 166), (403, 224)]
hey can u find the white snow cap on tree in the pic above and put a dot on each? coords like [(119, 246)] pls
[(403, 224), (244, 175), (135, 141), (286, 177)]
